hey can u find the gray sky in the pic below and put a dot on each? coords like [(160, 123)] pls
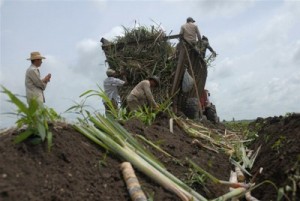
[(256, 73)]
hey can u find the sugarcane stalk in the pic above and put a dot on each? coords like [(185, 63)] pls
[(133, 186), (154, 145), (233, 179), (234, 185), (240, 174), (144, 166), (145, 155), (249, 197), (171, 124), (235, 193), (195, 141)]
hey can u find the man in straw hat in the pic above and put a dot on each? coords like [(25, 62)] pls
[(35, 86), (141, 94), (111, 84)]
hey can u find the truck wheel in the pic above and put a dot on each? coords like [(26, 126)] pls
[(192, 108), (211, 113)]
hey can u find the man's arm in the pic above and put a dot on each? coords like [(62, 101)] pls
[(117, 82), (211, 50), (36, 80), (149, 95)]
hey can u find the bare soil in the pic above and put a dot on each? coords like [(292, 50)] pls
[(279, 156), (77, 169)]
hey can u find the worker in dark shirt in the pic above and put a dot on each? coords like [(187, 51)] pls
[(205, 45)]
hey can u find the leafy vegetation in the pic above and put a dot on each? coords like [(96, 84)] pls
[(107, 133), (145, 114), (34, 117), (279, 143), (243, 128)]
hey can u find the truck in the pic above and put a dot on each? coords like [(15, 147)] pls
[(208, 108), (144, 52)]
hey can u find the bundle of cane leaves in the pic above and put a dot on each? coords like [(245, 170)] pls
[(35, 117), (110, 135), (240, 189), (197, 131), (243, 161)]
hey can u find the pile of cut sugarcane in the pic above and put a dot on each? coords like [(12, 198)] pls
[(110, 135), (230, 143), (140, 53)]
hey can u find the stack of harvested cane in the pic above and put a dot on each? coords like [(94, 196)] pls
[(140, 53)]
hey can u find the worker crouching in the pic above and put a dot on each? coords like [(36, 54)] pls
[(141, 95)]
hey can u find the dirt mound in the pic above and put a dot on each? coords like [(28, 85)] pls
[(71, 171), (279, 155), (77, 169)]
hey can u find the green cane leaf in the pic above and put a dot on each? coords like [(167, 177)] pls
[(23, 136)]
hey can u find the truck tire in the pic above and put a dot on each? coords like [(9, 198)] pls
[(211, 113), (191, 109)]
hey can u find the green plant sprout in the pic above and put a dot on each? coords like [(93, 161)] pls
[(35, 117)]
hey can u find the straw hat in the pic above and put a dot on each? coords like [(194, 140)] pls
[(35, 55)]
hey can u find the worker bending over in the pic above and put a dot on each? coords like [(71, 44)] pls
[(141, 94)]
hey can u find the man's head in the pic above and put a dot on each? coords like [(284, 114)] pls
[(190, 19), (36, 58), (204, 38), (154, 81), (110, 72)]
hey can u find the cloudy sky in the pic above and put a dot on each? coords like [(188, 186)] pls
[(256, 73)]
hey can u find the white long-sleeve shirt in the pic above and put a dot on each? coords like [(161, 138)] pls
[(34, 85), (111, 85)]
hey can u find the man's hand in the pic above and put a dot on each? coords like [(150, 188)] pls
[(47, 78), (214, 54)]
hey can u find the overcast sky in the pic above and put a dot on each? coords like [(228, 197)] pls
[(256, 72)]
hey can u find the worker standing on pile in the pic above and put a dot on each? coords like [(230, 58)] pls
[(205, 45), (111, 84), (35, 86), (190, 32), (141, 94)]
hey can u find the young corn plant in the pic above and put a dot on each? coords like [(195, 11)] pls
[(35, 117)]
